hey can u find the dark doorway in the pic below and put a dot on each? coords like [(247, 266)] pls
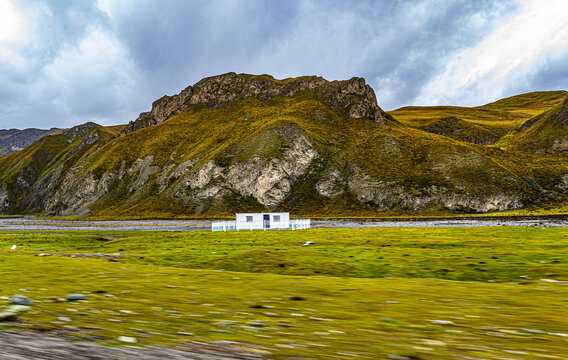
[(267, 221)]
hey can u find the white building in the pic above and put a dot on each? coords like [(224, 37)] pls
[(261, 221)]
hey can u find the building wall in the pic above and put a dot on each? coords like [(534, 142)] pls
[(257, 222)]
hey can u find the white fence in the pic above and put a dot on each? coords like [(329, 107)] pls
[(300, 224), (223, 225), (232, 226)]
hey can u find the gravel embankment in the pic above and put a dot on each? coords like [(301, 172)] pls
[(26, 224), (35, 346), (439, 223)]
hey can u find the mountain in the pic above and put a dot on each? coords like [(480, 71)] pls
[(240, 142), (13, 140)]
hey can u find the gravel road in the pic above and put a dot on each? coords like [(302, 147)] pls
[(20, 345), (29, 224), (441, 223)]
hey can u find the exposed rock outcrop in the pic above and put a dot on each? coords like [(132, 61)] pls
[(331, 184), (80, 130), (76, 192), (562, 115), (549, 133), (527, 124), (457, 128), (385, 196), (141, 170), (563, 183), (144, 120), (5, 203), (268, 181)]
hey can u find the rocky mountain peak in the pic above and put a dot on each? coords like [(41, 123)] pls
[(80, 130), (354, 96)]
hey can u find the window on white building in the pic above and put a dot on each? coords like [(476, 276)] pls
[(249, 218), (276, 218)]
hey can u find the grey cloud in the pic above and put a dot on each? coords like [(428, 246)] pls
[(160, 47), (552, 74)]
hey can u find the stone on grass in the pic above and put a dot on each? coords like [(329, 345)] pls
[(443, 322), (76, 297), (127, 339), (21, 300), (515, 352), (7, 316), (270, 314), (17, 309)]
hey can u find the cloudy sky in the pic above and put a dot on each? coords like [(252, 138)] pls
[(64, 63)]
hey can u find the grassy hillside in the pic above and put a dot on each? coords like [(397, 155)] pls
[(51, 156), (390, 153), (295, 153), (499, 117), (13, 140)]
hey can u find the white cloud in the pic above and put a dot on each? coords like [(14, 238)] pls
[(522, 43), (13, 27), (106, 6), (90, 80)]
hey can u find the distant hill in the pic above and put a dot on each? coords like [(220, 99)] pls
[(13, 140), (240, 142)]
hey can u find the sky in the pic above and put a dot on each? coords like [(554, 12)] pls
[(64, 63)]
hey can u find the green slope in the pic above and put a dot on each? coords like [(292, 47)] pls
[(49, 156), (394, 154), (499, 117)]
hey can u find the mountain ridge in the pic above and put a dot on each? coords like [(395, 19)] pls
[(354, 96), (13, 140), (312, 147)]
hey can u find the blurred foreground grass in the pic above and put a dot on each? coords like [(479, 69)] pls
[(267, 292)]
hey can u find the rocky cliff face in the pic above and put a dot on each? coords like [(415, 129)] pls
[(354, 96), (268, 181)]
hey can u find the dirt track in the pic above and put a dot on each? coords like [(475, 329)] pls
[(20, 345), (27, 224)]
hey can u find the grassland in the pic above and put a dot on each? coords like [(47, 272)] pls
[(500, 117), (426, 293)]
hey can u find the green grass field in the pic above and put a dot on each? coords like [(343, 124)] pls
[(401, 293)]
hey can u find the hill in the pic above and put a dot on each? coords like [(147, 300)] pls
[(239, 142), (13, 140)]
